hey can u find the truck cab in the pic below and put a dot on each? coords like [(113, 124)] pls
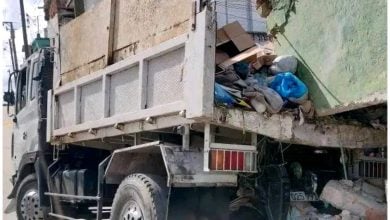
[(28, 145)]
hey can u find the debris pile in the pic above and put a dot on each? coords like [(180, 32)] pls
[(249, 75), (355, 200), (359, 198)]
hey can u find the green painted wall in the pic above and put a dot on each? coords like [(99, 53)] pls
[(341, 45)]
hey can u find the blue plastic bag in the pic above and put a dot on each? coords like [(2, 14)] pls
[(289, 86), (222, 97)]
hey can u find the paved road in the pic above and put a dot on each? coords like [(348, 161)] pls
[(7, 163)]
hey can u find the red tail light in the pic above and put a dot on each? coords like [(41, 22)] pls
[(232, 160)]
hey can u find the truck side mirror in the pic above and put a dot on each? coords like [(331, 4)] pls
[(14, 119), (9, 97)]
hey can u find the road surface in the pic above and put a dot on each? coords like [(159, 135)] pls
[(7, 163)]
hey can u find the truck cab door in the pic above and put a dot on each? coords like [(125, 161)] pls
[(26, 121)]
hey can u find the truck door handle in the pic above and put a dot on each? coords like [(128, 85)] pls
[(24, 135)]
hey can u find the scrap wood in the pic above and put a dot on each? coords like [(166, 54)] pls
[(260, 54)]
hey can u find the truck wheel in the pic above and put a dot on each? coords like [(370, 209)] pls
[(27, 200), (140, 197)]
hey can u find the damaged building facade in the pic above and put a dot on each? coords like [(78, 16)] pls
[(223, 109)]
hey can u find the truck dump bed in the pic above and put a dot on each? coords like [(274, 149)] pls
[(128, 76)]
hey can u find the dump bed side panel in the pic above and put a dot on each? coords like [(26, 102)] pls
[(150, 84), (175, 76), (116, 29)]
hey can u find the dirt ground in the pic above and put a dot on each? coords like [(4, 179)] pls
[(7, 163)]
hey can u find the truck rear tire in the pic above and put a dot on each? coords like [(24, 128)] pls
[(27, 200), (140, 197)]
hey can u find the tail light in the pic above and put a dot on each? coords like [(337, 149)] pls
[(240, 159)]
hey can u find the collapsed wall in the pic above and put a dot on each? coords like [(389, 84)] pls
[(341, 46)]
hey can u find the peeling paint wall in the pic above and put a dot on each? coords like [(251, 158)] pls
[(341, 46)]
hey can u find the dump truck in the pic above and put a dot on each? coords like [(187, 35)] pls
[(116, 119)]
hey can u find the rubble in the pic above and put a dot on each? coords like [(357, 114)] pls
[(249, 74), (369, 190), (346, 195), (301, 210), (355, 201)]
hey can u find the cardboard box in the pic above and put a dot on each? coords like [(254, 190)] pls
[(235, 33), (222, 37), (220, 56)]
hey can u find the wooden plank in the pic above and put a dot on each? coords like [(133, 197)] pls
[(143, 24), (150, 53), (82, 71), (111, 32), (85, 39), (250, 55)]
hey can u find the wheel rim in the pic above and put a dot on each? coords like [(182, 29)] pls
[(132, 211), (29, 206)]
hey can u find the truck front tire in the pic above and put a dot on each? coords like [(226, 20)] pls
[(140, 197), (27, 200)]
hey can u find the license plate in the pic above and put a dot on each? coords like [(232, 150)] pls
[(302, 196)]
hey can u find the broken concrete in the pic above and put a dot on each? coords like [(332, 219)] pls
[(342, 195), (301, 210), (369, 190), (304, 210)]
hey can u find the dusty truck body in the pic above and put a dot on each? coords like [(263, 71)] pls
[(131, 128)]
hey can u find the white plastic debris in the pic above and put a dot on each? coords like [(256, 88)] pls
[(285, 63)]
